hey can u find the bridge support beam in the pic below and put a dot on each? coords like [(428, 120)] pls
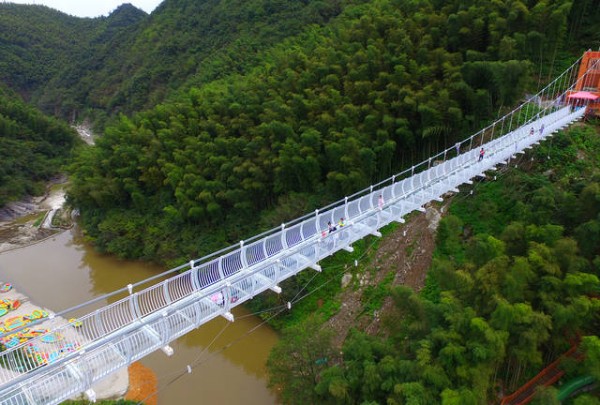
[(229, 316), (276, 289), (376, 233), (91, 395), (168, 350), (316, 267), (348, 249)]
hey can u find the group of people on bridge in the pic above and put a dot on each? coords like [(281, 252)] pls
[(341, 223), (331, 227)]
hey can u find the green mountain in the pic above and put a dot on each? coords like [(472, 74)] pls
[(512, 286), (239, 115), (128, 61), (36, 42)]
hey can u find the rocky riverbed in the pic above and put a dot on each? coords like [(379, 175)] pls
[(31, 220)]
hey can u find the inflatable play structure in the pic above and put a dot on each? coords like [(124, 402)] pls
[(6, 287), (18, 322)]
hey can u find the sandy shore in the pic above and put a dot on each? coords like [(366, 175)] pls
[(137, 382), (113, 386)]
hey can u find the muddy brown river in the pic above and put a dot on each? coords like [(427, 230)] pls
[(62, 272)]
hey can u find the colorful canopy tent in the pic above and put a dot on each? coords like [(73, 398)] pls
[(583, 95)]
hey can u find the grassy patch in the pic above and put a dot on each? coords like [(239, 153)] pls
[(62, 219), (39, 219), (374, 295)]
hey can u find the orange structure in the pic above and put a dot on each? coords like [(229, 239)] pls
[(587, 88), (547, 377)]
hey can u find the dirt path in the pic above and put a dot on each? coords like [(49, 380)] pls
[(407, 253)]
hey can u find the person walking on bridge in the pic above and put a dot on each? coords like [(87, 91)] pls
[(330, 227), (481, 154)]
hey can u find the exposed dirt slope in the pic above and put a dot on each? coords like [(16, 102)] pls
[(407, 252)]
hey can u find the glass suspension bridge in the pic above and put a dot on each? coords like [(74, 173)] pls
[(152, 313)]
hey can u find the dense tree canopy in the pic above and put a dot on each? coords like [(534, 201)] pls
[(252, 112), (325, 113), (95, 68), (33, 148)]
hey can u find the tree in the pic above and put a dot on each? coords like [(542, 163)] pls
[(590, 345), (296, 362)]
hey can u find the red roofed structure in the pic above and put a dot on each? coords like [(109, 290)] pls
[(587, 88), (583, 95)]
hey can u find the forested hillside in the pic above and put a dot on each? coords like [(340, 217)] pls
[(328, 112), (33, 148), (96, 68), (52, 59), (36, 43), (189, 42)]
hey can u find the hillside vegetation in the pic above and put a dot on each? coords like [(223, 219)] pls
[(96, 68), (33, 148), (326, 113)]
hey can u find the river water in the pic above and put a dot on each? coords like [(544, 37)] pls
[(228, 358)]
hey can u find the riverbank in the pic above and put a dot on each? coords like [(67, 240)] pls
[(30, 221), (62, 271), (29, 225)]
